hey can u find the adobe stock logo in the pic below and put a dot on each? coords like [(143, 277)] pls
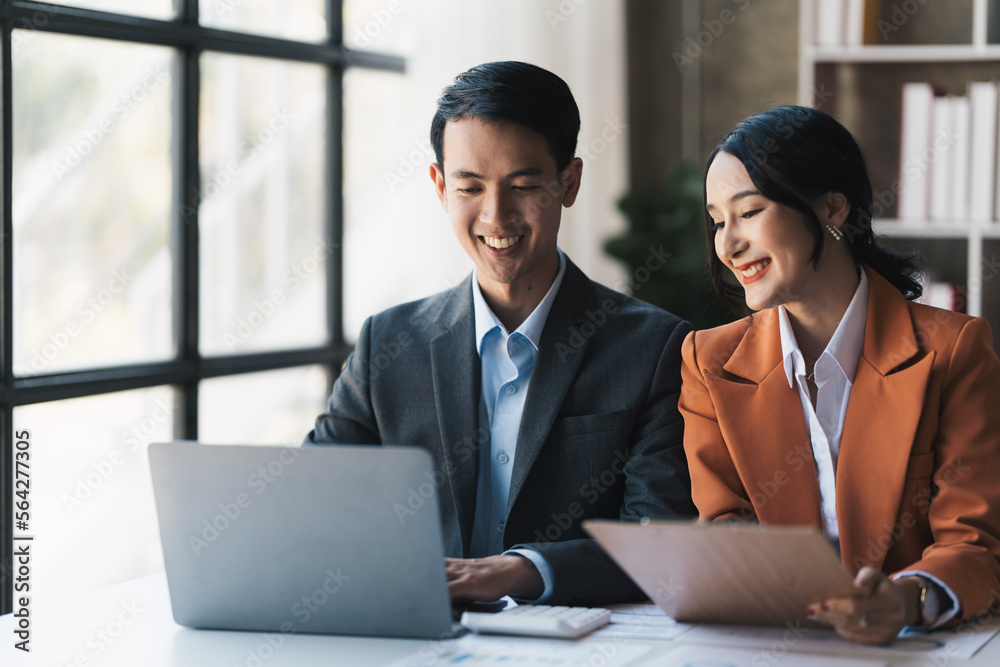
[(213, 527), (380, 19), (263, 309), (694, 46), (121, 108), (250, 148), (87, 310)]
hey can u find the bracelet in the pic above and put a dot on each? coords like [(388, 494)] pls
[(929, 604), (922, 585)]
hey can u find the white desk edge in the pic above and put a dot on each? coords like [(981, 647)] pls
[(130, 624)]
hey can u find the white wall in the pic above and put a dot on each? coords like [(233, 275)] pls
[(404, 231)]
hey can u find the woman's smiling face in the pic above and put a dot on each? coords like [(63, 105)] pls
[(766, 245)]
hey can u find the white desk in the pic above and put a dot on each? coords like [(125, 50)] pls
[(130, 625)]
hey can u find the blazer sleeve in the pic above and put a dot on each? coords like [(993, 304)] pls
[(965, 514), (350, 416), (716, 488)]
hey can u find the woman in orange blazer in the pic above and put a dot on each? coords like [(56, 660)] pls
[(837, 402)]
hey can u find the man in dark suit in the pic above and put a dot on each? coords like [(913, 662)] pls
[(546, 399)]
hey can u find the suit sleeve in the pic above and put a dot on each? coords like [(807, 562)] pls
[(965, 514), (350, 417), (657, 486), (716, 488)]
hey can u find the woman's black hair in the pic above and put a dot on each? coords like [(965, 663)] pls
[(794, 155)]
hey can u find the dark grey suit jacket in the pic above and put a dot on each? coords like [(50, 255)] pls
[(600, 436)]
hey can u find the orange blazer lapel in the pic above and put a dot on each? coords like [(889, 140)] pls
[(761, 418), (880, 428)]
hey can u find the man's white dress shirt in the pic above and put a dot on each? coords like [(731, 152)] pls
[(507, 359)]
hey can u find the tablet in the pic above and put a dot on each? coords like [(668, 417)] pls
[(732, 573)]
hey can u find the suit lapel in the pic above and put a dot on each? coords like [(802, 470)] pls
[(560, 355), (455, 369), (761, 418), (880, 427)]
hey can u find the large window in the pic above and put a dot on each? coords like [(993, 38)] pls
[(172, 264)]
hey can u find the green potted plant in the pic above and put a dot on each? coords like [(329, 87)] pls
[(665, 251)]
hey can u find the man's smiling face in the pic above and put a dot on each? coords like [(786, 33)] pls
[(504, 195)]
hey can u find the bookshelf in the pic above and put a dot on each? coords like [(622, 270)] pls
[(859, 80)]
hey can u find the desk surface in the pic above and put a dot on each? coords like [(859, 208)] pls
[(130, 625)]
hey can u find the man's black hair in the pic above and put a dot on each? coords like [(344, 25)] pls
[(512, 92)]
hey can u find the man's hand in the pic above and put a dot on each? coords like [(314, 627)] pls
[(491, 578), (876, 617)]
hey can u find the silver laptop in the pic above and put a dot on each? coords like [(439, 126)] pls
[(289, 539)]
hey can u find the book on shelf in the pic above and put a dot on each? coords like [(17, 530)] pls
[(915, 150), (940, 164), (949, 296), (854, 23), (949, 150), (983, 155), (958, 159), (846, 22), (996, 161), (830, 18)]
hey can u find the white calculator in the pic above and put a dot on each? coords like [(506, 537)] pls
[(538, 621)]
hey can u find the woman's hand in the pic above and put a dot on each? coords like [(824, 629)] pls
[(882, 609)]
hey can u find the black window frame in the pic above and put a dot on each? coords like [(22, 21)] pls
[(188, 368)]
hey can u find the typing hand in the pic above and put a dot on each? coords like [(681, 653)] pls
[(882, 609), (490, 578)]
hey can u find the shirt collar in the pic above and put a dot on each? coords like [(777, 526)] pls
[(844, 347), (532, 327)]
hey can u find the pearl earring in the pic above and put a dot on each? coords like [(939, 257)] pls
[(835, 233)]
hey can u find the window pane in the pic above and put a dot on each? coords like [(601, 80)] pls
[(263, 249), (399, 243), (292, 19), (92, 511), (157, 9), (385, 26), (271, 408), (92, 183)]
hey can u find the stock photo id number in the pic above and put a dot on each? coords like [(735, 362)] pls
[(22, 540)]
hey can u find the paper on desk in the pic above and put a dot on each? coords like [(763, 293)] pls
[(626, 613), (690, 654), (641, 621), (950, 644), (962, 643), (525, 652)]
